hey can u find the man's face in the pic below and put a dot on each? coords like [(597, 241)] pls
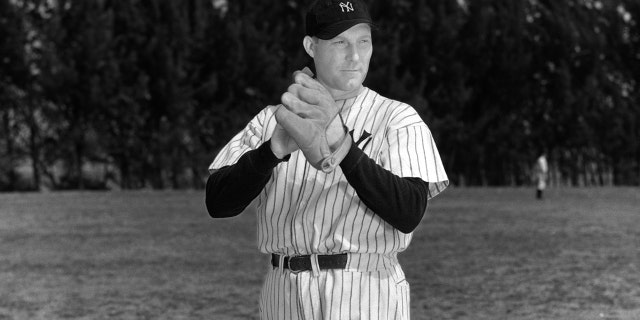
[(342, 63)]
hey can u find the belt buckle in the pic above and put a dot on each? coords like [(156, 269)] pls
[(291, 269)]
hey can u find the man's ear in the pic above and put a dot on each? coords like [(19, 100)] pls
[(309, 46)]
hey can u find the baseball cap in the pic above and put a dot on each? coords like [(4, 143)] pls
[(329, 18)]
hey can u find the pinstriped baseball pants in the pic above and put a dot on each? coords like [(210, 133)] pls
[(334, 295)]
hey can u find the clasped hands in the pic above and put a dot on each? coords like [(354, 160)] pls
[(309, 120)]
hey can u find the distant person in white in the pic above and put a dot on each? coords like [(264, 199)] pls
[(540, 171)]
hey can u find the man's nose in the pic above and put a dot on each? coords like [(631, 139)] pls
[(353, 54)]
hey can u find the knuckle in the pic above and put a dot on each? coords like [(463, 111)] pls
[(286, 96), (307, 71), (294, 89), (286, 100), (300, 77)]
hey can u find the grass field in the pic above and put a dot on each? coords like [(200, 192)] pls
[(479, 254)]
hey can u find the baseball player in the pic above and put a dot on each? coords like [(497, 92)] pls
[(340, 177), (540, 170)]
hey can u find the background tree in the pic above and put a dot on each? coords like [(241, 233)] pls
[(142, 93)]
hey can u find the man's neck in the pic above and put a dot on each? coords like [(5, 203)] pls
[(344, 95)]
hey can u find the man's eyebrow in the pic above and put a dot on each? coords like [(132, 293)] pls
[(364, 36)]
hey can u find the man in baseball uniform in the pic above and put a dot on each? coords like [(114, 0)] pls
[(340, 177)]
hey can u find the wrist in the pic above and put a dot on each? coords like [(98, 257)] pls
[(279, 154), (337, 141), (339, 148), (336, 133), (338, 153)]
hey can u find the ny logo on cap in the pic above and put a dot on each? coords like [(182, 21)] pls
[(346, 7)]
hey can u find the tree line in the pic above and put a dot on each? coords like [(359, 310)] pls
[(140, 93)]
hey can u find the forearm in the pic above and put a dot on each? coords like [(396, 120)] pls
[(232, 188), (399, 201)]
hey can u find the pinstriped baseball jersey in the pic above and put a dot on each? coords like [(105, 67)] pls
[(304, 211)]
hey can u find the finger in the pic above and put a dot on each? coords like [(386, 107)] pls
[(310, 96), (301, 108), (292, 123), (307, 81), (305, 70), (319, 100)]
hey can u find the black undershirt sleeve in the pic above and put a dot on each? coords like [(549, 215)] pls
[(231, 189), (400, 201)]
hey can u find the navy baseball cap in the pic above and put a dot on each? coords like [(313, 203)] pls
[(329, 18)]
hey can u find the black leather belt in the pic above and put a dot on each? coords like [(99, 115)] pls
[(303, 263)]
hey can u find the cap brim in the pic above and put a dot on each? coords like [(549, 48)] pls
[(334, 30)]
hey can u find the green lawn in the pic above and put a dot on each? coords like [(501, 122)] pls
[(479, 254)]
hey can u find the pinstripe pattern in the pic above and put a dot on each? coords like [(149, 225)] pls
[(305, 211), (335, 295)]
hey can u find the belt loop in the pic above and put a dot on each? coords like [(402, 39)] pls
[(348, 264), (281, 263), (315, 266)]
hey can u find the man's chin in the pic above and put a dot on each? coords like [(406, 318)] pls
[(348, 90), (352, 84)]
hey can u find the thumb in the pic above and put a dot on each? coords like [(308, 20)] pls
[(305, 70)]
